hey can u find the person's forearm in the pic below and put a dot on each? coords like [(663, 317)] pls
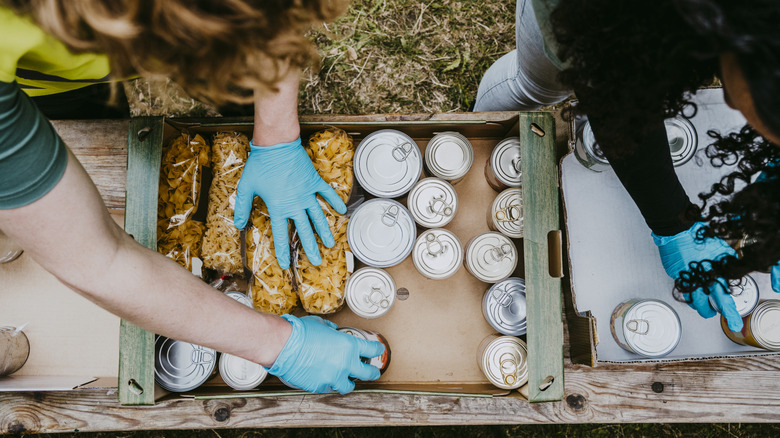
[(276, 113)]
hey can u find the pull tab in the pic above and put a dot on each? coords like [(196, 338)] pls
[(390, 216), (377, 298), (201, 357), (736, 287), (634, 325), (431, 243), (402, 151), (510, 213), (504, 298), (516, 164), (440, 207), (508, 366), (498, 253)]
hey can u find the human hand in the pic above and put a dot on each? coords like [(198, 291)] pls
[(285, 178), (679, 251), (317, 358), (776, 277)]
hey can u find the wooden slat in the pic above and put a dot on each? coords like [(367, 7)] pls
[(136, 346), (540, 217)]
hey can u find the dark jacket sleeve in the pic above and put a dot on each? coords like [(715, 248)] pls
[(33, 158)]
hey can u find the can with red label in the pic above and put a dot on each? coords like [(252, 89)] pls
[(381, 362)]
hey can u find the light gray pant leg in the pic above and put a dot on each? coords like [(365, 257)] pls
[(523, 79)]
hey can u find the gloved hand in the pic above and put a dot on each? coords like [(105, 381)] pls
[(317, 358), (284, 177), (776, 277), (678, 251)]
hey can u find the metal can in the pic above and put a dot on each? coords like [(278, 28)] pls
[(504, 307), (504, 361), (587, 151), (683, 140), (15, 348), (432, 202), (181, 366), (761, 328), (381, 233), (491, 257), (370, 292), (9, 250), (449, 156), (649, 328), (502, 169), (240, 297), (381, 362), (745, 294), (387, 163), (437, 254), (506, 213), (239, 373)]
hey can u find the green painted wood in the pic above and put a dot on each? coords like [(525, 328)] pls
[(541, 215), (136, 345)]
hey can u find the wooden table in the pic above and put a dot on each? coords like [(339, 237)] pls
[(725, 390)]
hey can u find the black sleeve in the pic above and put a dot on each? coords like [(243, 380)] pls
[(648, 175)]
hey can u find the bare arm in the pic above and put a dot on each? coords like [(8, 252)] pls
[(276, 114)]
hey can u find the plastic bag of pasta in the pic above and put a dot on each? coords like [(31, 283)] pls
[(272, 288), (184, 164), (221, 244)]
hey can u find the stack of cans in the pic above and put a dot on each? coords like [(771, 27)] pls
[(370, 292), (504, 306), (491, 257), (432, 203), (506, 214), (437, 254), (503, 169), (449, 156), (649, 328), (504, 361), (381, 233), (387, 163)]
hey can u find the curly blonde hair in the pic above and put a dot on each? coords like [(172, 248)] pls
[(218, 50)]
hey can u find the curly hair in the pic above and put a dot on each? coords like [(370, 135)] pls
[(219, 50), (635, 63)]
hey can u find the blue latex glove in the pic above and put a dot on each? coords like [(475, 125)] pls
[(776, 277), (317, 358), (678, 251), (284, 177)]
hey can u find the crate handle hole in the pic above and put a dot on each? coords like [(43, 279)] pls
[(134, 387), (536, 129), (144, 132), (546, 383)]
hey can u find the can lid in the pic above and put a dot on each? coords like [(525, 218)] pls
[(592, 148), (437, 254), (505, 362), (449, 155), (682, 138), (652, 328), (381, 233), (239, 373), (507, 213), (182, 366), (491, 257), (240, 297), (744, 292), (765, 324), (353, 331), (504, 306), (505, 162), (432, 202), (370, 292), (387, 163)]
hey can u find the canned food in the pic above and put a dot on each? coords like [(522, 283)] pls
[(437, 254), (381, 362), (381, 233), (387, 163), (649, 328), (182, 366), (239, 373), (240, 297), (449, 156), (745, 294), (506, 213), (502, 169), (761, 328), (587, 151), (9, 250), (503, 306), (491, 257), (504, 361), (682, 138), (432, 202), (370, 292), (15, 348)]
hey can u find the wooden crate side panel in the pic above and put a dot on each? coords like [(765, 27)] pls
[(136, 345)]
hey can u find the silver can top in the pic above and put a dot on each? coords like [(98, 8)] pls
[(651, 328), (370, 292), (239, 373), (432, 202), (507, 213), (437, 254), (592, 148), (505, 362), (682, 138), (182, 366), (449, 155), (387, 163), (744, 292), (505, 162), (381, 233), (765, 324), (240, 297), (491, 257), (504, 307)]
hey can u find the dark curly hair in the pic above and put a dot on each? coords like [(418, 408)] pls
[(635, 63)]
